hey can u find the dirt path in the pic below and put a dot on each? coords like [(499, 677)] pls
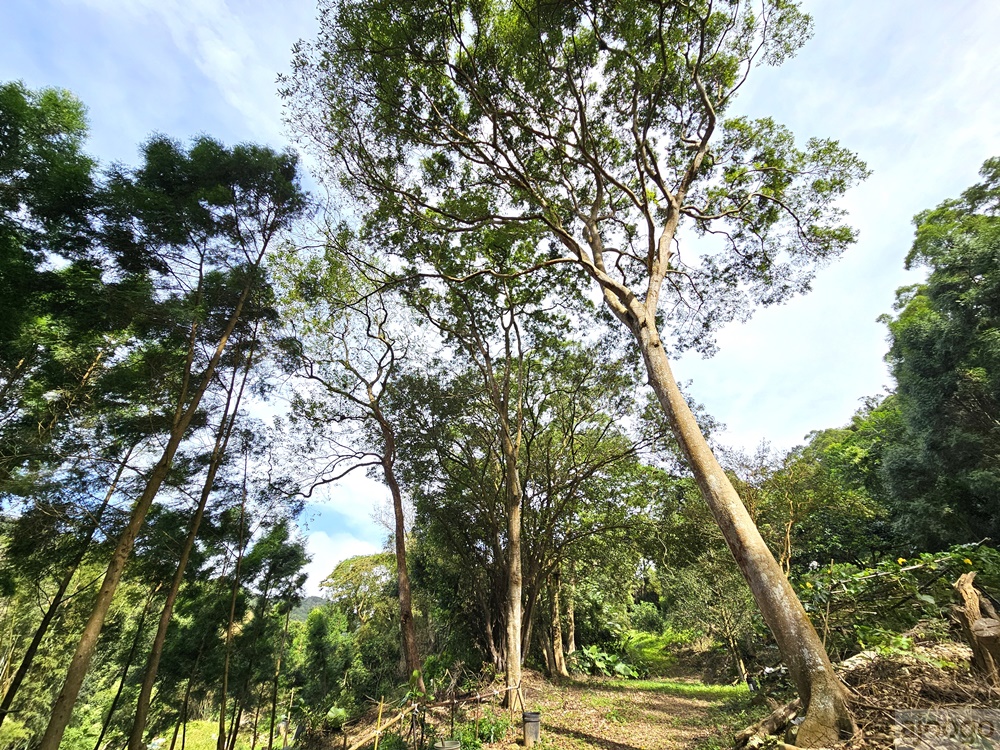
[(633, 714)]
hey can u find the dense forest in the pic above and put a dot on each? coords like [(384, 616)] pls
[(536, 208)]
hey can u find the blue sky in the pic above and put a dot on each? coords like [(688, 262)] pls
[(909, 84)]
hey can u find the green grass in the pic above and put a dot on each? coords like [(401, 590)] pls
[(730, 717), (684, 689), (652, 652), (201, 735)]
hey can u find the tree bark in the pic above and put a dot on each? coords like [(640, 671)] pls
[(827, 718), (559, 659), (225, 431), (50, 612), (411, 653), (514, 578), (571, 612), (63, 707), (125, 669), (981, 628)]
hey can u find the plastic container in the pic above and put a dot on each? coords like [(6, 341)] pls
[(532, 727)]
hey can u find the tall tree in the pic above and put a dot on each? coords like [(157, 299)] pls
[(203, 221), (349, 351), (234, 390), (602, 125), (944, 474)]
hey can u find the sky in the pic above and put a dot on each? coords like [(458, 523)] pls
[(908, 84)]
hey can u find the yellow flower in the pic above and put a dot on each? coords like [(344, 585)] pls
[(967, 561), (901, 560), (809, 584)]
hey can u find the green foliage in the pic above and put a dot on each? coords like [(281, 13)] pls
[(873, 607), (393, 741), (943, 475), (396, 93), (647, 617), (493, 726), (592, 660), (653, 654)]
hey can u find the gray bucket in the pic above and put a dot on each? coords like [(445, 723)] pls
[(447, 745), (532, 727)]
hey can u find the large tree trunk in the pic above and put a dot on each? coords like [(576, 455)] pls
[(186, 409), (559, 659), (57, 599), (823, 696), (571, 611), (981, 627), (514, 577)]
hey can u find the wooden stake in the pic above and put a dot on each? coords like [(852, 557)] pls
[(378, 722)]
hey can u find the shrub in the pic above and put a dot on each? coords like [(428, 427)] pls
[(591, 660)]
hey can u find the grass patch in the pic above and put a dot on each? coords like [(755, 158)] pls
[(728, 718), (654, 652), (202, 735), (698, 690)]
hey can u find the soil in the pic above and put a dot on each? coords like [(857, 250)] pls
[(629, 715)]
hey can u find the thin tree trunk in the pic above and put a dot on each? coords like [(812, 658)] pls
[(128, 664), (411, 654), (514, 577), (545, 636), (225, 431), (288, 722), (277, 676), (50, 612), (559, 659), (571, 611), (180, 716), (234, 728), (80, 663), (256, 718), (827, 716), (221, 743)]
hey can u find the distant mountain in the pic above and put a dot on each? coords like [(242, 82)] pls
[(307, 605)]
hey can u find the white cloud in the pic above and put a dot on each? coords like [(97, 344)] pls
[(355, 496), (221, 60), (326, 551), (906, 87)]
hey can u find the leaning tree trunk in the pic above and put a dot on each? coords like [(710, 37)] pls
[(225, 431), (57, 599), (828, 718), (186, 409)]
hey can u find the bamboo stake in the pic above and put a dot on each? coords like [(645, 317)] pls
[(378, 721)]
